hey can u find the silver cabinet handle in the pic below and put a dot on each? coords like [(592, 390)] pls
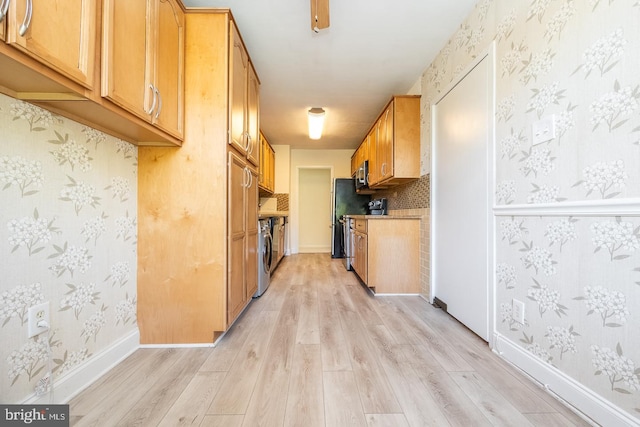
[(249, 177), (27, 18), (4, 6), (249, 144), (159, 102), (153, 103), (245, 180)]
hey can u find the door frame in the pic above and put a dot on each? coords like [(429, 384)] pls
[(294, 230), (490, 54)]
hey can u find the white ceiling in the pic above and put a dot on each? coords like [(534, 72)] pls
[(372, 50)]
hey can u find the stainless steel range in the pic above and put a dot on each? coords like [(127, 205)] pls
[(348, 243)]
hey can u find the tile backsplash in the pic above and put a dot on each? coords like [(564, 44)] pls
[(412, 195)]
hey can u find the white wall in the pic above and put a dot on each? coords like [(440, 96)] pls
[(283, 168), (337, 160), (567, 224), (68, 212)]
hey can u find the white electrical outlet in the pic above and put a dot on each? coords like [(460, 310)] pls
[(517, 311), (543, 130), (39, 313)]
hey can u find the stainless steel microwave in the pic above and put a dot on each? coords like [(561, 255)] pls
[(362, 176)]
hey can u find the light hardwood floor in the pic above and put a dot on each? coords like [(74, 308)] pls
[(317, 349)]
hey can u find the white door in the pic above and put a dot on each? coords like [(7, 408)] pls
[(461, 253)]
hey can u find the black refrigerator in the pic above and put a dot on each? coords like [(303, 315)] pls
[(345, 201)]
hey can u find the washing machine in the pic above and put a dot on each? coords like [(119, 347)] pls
[(265, 255)]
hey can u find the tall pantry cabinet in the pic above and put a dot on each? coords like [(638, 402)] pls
[(198, 205)]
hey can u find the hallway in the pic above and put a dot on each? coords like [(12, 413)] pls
[(317, 349)]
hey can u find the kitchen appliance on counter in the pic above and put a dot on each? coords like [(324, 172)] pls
[(265, 255), (378, 207), (344, 201)]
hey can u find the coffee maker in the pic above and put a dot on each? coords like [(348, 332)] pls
[(378, 207)]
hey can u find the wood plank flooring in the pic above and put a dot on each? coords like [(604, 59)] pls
[(317, 349)]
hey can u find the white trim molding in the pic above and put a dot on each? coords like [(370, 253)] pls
[(592, 208), (195, 345), (71, 384), (594, 408)]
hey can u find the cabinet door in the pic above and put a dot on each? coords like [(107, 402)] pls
[(386, 134), (236, 291), (253, 115), (251, 213), (383, 146), (238, 63), (125, 74), (169, 67), (3, 29), (374, 155), (263, 158), (60, 34), (272, 169)]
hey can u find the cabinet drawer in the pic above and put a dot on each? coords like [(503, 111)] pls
[(361, 225)]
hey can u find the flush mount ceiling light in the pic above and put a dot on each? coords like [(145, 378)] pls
[(316, 122), (319, 15)]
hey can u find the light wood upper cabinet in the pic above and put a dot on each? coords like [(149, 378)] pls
[(60, 34), (267, 166), (143, 65), (239, 65), (169, 67), (253, 117), (244, 98), (396, 156)]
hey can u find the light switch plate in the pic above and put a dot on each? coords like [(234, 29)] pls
[(517, 311), (543, 130)]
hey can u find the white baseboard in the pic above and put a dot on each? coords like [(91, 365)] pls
[(72, 383), (573, 393), (196, 345)]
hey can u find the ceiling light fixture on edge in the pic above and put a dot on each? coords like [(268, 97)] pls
[(316, 122)]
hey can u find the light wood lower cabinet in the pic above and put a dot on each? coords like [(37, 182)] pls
[(243, 234), (360, 255), (387, 255), (197, 207)]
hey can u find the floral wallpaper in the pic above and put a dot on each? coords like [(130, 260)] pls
[(68, 201), (578, 274)]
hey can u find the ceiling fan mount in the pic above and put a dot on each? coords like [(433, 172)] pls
[(319, 15)]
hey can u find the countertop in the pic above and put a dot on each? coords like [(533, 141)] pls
[(267, 214), (384, 216)]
